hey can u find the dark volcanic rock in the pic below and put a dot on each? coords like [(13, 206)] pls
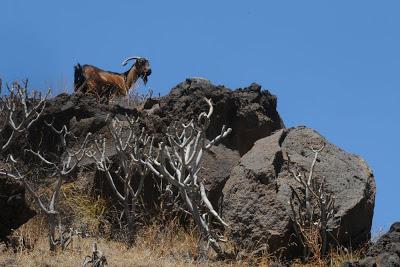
[(389, 242), (13, 208), (256, 217), (250, 112), (80, 113), (257, 193), (385, 252)]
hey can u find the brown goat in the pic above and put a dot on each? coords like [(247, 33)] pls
[(106, 84)]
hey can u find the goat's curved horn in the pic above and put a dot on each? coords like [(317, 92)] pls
[(129, 58)]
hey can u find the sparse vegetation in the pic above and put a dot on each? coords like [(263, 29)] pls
[(183, 154), (89, 211), (129, 143), (79, 224), (156, 245), (19, 101), (311, 209)]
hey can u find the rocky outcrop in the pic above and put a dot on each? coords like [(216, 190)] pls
[(250, 112), (249, 168), (388, 243), (385, 252), (257, 193)]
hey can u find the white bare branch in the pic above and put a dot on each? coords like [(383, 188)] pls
[(129, 142), (61, 168), (18, 100), (179, 161), (314, 209)]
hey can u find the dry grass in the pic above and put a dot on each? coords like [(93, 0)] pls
[(156, 245), (161, 243), (116, 253), (84, 210), (334, 258)]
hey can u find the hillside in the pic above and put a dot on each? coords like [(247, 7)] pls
[(204, 174)]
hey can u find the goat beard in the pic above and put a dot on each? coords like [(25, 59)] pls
[(144, 78)]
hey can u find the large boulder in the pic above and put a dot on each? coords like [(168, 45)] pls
[(257, 193), (250, 112)]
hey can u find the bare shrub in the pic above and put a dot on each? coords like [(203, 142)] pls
[(129, 143), (61, 169), (178, 161), (169, 205), (312, 208), (19, 111), (135, 98)]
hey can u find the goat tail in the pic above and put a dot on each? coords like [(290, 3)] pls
[(79, 78)]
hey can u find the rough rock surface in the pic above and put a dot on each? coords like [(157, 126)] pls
[(250, 112), (385, 252), (257, 193), (13, 208), (389, 242)]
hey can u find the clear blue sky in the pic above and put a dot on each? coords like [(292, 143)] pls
[(334, 65)]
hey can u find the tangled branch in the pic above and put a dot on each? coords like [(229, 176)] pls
[(20, 110), (129, 144), (179, 160), (312, 210)]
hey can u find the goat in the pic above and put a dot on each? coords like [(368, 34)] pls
[(92, 80)]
